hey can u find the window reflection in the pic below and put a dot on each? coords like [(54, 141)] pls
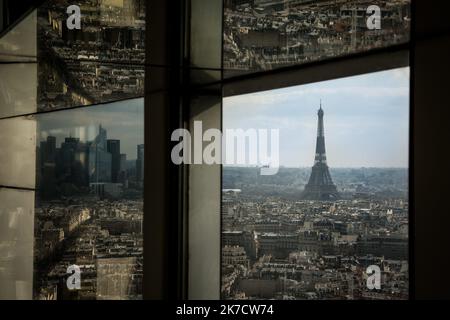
[(101, 62), (266, 34), (89, 205)]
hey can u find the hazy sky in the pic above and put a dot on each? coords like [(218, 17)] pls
[(366, 119), (122, 120)]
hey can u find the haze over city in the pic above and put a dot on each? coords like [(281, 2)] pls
[(84, 123), (366, 119)]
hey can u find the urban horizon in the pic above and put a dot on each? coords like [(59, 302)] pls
[(317, 232), (61, 140)]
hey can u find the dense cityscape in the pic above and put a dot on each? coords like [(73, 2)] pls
[(286, 248), (101, 62), (298, 235), (89, 211), (265, 34)]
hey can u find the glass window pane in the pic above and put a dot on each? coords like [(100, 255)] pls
[(81, 83), (325, 206), (110, 30), (89, 206), (85, 165), (267, 34), (100, 62)]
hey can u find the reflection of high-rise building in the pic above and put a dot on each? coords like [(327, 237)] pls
[(63, 169), (123, 177), (140, 163), (320, 185), (113, 147), (99, 159), (49, 152), (47, 165), (73, 162), (79, 166)]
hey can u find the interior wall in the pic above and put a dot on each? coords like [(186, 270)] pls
[(431, 132), (18, 96), (205, 185)]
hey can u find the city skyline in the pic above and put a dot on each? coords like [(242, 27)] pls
[(110, 140), (371, 111), (83, 123)]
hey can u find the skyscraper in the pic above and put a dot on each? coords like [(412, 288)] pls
[(73, 162), (140, 163), (99, 159), (123, 176), (320, 185), (113, 147), (47, 164)]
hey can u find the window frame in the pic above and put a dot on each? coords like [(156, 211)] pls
[(172, 77), (394, 56)]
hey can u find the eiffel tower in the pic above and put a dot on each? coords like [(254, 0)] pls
[(320, 185)]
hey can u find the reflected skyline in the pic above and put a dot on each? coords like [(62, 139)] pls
[(89, 201), (83, 123), (102, 62)]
